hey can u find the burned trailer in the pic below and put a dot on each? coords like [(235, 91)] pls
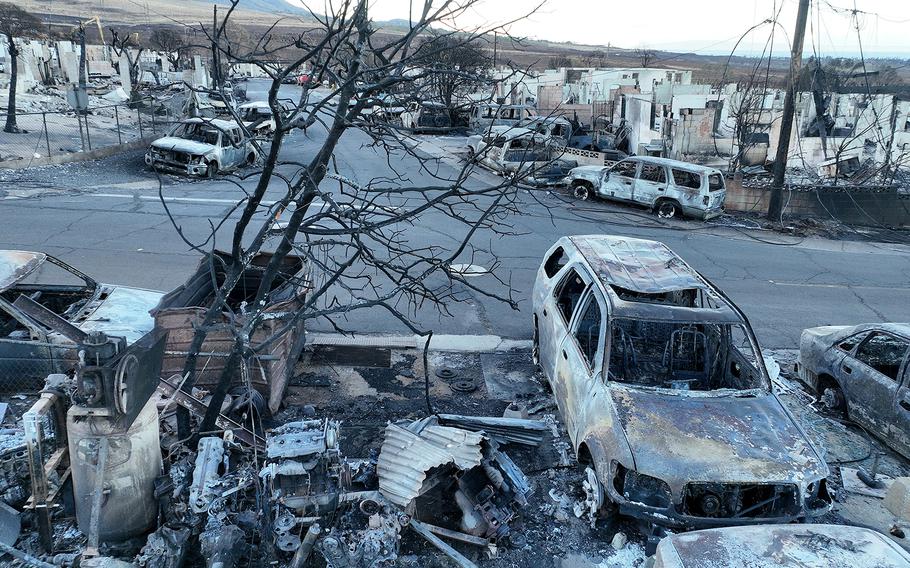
[(664, 391), (183, 309)]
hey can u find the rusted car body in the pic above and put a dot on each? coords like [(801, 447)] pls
[(181, 311), (257, 118), (864, 372), (508, 151), (663, 390), (770, 546), (202, 147), (668, 187), (38, 291)]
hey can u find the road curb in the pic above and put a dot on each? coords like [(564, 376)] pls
[(442, 342)]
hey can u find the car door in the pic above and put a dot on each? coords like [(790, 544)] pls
[(556, 315), (579, 363), (870, 380), (650, 183), (900, 425), (618, 181)]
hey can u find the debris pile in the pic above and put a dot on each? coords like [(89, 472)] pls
[(424, 467)]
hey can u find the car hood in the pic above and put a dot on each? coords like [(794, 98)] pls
[(693, 437), (182, 145), (587, 171), (119, 311)]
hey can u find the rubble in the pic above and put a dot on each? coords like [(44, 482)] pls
[(423, 457)]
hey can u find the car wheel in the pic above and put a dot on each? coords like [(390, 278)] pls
[(251, 159), (833, 399), (668, 210), (212, 170), (581, 191)]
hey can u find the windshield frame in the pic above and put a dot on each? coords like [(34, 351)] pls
[(764, 388)]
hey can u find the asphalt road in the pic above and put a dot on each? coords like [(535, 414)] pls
[(106, 218)]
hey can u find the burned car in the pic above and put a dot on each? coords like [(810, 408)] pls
[(669, 187), (257, 118), (863, 372), (661, 385), (202, 147), (41, 295), (771, 546), (426, 116), (513, 151)]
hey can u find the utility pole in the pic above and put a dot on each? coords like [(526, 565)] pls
[(786, 123)]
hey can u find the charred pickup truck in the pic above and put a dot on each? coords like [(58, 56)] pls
[(202, 147), (663, 390)]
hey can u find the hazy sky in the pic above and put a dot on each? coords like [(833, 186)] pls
[(702, 26)]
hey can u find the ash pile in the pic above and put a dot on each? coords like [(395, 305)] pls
[(111, 486)]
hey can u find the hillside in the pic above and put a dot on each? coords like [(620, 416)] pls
[(257, 15)]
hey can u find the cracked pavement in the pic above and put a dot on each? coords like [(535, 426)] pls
[(105, 218)]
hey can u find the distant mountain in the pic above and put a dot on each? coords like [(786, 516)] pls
[(266, 6)]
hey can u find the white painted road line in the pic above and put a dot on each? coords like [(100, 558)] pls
[(213, 200), (172, 199)]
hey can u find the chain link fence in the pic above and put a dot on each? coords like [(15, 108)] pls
[(50, 134)]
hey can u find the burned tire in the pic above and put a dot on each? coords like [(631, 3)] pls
[(582, 191), (667, 209), (833, 398), (212, 170), (251, 159)]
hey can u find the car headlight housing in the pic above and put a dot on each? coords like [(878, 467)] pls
[(638, 488), (817, 496), (196, 160)]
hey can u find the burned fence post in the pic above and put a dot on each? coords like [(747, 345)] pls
[(88, 135), (47, 140), (117, 119), (81, 134)]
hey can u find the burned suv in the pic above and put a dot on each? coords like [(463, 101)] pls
[(664, 392)]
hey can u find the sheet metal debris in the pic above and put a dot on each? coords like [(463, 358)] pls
[(505, 430), (468, 468)]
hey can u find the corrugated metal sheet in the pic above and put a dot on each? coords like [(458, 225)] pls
[(407, 456)]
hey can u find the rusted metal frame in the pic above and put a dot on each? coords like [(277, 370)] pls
[(459, 536), (48, 318), (199, 408), (41, 499), (424, 531)]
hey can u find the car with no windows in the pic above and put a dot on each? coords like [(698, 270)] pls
[(202, 147), (41, 297), (669, 187), (863, 372), (663, 390)]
